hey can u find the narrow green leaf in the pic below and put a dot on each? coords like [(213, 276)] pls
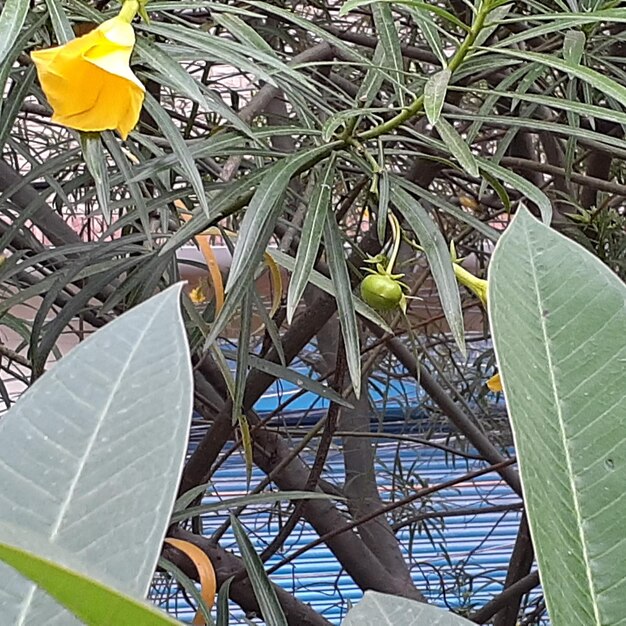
[(257, 226), (93, 602), (457, 147), (496, 16), (559, 320), (447, 207), (340, 277), (325, 284), (429, 30), (388, 37), (599, 81), (271, 609), (298, 379), (181, 512), (8, 62), (96, 162), (243, 351), (383, 204), (270, 326), (12, 19), (244, 33), (312, 230), (179, 147), (369, 88), (172, 74), (433, 8), (574, 46), (524, 186), (435, 94), (13, 102), (263, 211), (190, 588), (232, 53), (439, 260), (60, 24), (222, 603), (121, 160)]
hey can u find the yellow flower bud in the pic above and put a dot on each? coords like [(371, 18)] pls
[(88, 81), (477, 285), (494, 383)]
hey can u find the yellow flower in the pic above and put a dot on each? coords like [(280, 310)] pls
[(88, 81), (197, 295), (494, 383)]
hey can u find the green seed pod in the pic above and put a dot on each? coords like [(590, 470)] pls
[(381, 292)]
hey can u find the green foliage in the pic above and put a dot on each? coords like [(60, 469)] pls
[(558, 320), (271, 609), (93, 602), (301, 131), (92, 454)]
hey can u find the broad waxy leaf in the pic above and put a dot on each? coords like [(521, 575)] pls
[(558, 317), (92, 452), (381, 609), (95, 603)]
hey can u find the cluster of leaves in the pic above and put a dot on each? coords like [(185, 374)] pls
[(297, 130)]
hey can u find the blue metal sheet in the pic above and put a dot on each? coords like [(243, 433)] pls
[(461, 565), (477, 546)]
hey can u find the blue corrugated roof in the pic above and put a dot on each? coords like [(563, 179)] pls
[(460, 563), (477, 546)]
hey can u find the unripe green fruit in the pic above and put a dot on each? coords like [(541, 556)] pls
[(381, 292)]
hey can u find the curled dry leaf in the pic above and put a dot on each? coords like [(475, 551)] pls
[(206, 573)]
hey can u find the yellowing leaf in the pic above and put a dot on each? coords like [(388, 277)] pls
[(206, 573), (211, 263), (277, 283)]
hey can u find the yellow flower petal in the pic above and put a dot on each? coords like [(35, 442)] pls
[(88, 81), (494, 383)]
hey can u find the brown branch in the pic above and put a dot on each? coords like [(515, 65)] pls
[(512, 594), (227, 565), (421, 493), (519, 567), (462, 421)]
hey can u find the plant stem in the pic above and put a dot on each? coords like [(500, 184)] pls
[(455, 62)]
